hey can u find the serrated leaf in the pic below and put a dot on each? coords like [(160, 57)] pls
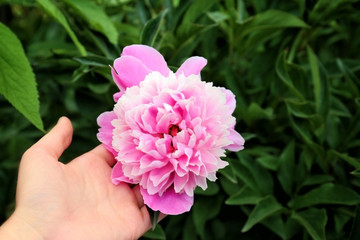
[(265, 208), (314, 221), (151, 29), (53, 11), (326, 194), (17, 80), (102, 23)]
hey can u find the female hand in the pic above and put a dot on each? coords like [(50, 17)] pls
[(72, 201)]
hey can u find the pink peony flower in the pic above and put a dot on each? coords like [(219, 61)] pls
[(167, 131)]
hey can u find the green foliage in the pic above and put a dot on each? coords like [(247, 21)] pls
[(17, 82), (293, 66)]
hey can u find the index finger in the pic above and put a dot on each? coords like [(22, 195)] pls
[(54, 143)]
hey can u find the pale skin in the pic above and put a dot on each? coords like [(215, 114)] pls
[(75, 200)]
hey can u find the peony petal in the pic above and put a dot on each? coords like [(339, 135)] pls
[(230, 99), (130, 71), (192, 65), (105, 133), (150, 57), (169, 203), (117, 95), (117, 175), (238, 141)]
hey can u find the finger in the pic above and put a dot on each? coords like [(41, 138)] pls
[(102, 153), (54, 143), (138, 196)]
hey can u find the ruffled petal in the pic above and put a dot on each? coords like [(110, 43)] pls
[(105, 133), (238, 141), (170, 202), (151, 58), (117, 175), (230, 99), (130, 71), (192, 65)]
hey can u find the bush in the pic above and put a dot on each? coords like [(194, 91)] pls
[(293, 66)]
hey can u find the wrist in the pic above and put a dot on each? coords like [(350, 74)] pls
[(17, 227)]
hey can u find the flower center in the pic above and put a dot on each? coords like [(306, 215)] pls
[(173, 130)]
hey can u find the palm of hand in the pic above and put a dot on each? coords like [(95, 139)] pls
[(76, 200)]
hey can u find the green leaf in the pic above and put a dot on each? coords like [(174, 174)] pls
[(326, 194), (286, 168), (268, 206), (314, 221), (275, 224), (53, 11), (355, 230), (269, 162), (151, 29), (157, 233), (282, 69), (17, 80), (205, 209), (317, 179), (154, 217), (255, 112), (321, 85), (245, 196), (102, 23), (271, 19), (211, 190), (350, 160), (196, 10), (97, 61)]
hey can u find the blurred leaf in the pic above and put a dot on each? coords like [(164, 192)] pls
[(157, 233), (266, 207), (217, 16), (270, 19), (102, 23), (275, 224), (286, 168), (205, 209), (282, 69), (97, 61), (255, 112), (317, 179), (355, 230), (321, 85), (350, 160), (196, 9), (314, 221), (211, 190), (326, 194), (99, 88), (152, 28), (269, 162), (53, 11), (17, 80), (245, 196)]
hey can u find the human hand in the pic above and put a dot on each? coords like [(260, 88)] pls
[(72, 201)]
